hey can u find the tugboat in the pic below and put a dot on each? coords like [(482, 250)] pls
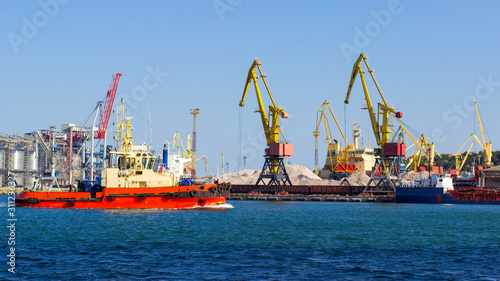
[(131, 182)]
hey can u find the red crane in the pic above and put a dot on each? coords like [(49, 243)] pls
[(108, 105)]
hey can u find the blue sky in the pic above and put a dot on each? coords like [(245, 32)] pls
[(430, 58)]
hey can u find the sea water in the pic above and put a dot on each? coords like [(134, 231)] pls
[(257, 240)]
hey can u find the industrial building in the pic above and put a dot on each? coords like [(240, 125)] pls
[(49, 157)]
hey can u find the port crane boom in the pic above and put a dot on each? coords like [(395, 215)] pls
[(381, 131), (459, 162), (486, 145), (108, 106), (271, 127)]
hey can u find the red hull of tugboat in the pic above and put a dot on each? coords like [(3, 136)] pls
[(172, 197)]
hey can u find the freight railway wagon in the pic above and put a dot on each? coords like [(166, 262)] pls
[(307, 189)]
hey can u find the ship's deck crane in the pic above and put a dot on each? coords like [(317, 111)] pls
[(335, 151), (205, 160), (274, 168), (486, 145), (187, 153)]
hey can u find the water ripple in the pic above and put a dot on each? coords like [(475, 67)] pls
[(261, 241)]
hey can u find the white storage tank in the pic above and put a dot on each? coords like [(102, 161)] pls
[(18, 159), (32, 161)]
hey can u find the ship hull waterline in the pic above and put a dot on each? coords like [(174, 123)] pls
[(175, 197), (435, 195)]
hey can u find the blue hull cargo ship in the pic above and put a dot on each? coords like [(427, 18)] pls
[(444, 193)]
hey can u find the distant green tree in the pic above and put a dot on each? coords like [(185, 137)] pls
[(448, 162)]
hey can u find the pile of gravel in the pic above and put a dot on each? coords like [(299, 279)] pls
[(299, 175)]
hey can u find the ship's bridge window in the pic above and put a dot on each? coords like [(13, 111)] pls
[(151, 163), (132, 162), (138, 154), (127, 162), (144, 162), (121, 162)]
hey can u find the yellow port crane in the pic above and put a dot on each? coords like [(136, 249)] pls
[(381, 131), (335, 152), (427, 148), (485, 145), (187, 153), (385, 168), (177, 145), (459, 162), (274, 168)]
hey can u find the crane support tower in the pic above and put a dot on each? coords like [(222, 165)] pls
[(273, 171), (384, 174), (195, 113)]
